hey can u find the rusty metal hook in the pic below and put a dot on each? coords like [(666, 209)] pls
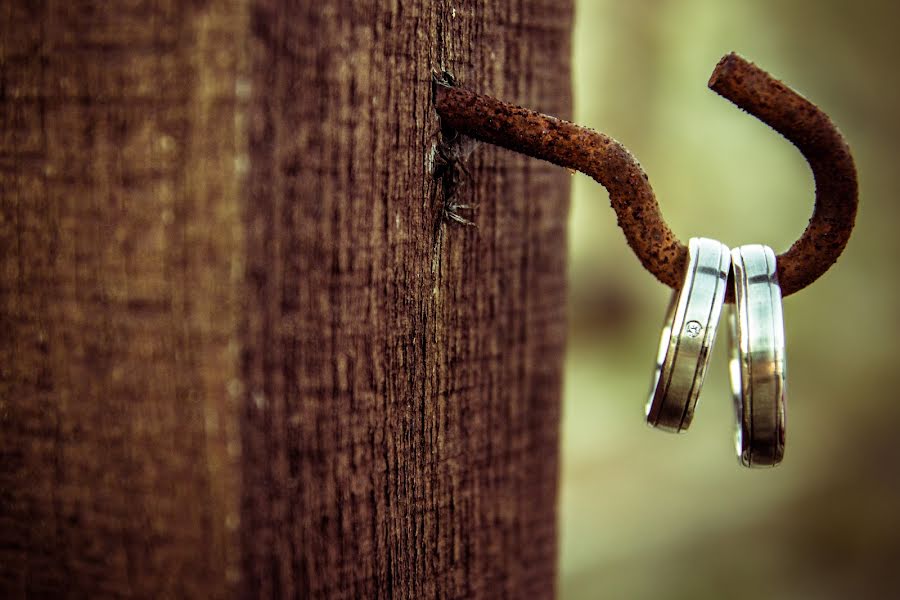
[(632, 198)]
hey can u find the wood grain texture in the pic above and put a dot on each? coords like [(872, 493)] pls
[(242, 353), (402, 441), (121, 253)]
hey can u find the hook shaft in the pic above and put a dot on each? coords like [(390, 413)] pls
[(631, 196), (575, 147)]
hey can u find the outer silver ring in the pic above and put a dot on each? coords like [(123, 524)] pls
[(688, 335), (757, 364)]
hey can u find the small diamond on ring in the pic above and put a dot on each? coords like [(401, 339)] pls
[(693, 328)]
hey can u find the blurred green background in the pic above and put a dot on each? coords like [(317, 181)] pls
[(647, 514)]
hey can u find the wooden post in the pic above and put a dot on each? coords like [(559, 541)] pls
[(241, 352)]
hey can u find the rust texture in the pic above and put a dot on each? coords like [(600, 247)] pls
[(575, 147), (631, 196), (826, 151)]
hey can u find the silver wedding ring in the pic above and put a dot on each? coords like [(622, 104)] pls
[(757, 363), (688, 335)]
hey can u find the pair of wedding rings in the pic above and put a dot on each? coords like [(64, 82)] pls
[(757, 362)]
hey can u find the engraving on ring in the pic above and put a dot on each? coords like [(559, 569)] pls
[(693, 328)]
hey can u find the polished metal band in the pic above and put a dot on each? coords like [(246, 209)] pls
[(688, 335), (757, 365)]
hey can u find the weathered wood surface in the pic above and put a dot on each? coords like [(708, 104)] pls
[(238, 357)]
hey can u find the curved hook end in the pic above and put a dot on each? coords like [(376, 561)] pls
[(824, 148)]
